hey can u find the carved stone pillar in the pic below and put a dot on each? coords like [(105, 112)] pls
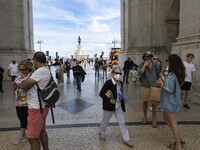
[(16, 28), (143, 28), (188, 40)]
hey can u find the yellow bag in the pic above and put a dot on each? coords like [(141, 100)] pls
[(155, 94)]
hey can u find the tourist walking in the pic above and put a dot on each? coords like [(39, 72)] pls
[(126, 68), (149, 73), (104, 68), (171, 102), (57, 66), (114, 103), (96, 67), (67, 67), (25, 70), (79, 74), (13, 70), (133, 75), (189, 79), (62, 71), (36, 132), (1, 79)]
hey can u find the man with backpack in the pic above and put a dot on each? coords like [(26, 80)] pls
[(36, 132)]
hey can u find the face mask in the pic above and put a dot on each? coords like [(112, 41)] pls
[(117, 76)]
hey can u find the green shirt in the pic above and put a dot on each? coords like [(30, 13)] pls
[(149, 76)]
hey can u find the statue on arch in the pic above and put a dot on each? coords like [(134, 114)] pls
[(79, 40)]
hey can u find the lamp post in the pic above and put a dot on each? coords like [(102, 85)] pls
[(40, 42), (114, 42)]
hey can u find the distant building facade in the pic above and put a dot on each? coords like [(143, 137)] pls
[(16, 28), (162, 26)]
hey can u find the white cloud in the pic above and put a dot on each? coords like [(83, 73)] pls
[(58, 25), (97, 27)]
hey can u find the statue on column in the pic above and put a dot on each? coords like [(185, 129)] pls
[(79, 40)]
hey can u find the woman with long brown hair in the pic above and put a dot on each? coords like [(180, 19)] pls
[(170, 101)]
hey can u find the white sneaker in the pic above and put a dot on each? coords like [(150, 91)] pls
[(150, 109), (128, 143), (102, 136), (19, 140)]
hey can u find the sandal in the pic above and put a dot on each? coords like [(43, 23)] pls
[(154, 125), (173, 146), (182, 143), (144, 121)]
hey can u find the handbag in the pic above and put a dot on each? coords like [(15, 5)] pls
[(155, 93), (145, 93)]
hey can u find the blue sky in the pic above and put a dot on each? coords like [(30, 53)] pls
[(58, 23)]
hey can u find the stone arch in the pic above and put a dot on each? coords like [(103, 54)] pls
[(172, 23)]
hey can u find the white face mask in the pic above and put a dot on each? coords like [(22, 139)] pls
[(117, 76)]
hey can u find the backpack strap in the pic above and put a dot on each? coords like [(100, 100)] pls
[(52, 114), (40, 101)]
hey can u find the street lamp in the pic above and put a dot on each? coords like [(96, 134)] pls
[(40, 42), (114, 42)]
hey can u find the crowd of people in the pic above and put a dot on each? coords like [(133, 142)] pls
[(174, 81)]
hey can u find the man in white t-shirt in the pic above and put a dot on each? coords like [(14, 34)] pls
[(13, 70), (36, 132), (189, 79)]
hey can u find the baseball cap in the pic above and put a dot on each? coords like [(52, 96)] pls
[(148, 53)]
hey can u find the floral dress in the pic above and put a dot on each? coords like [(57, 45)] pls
[(20, 94)]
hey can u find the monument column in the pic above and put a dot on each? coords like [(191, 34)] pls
[(16, 38), (188, 40), (137, 24), (142, 29)]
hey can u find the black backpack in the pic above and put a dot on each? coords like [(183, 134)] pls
[(50, 95)]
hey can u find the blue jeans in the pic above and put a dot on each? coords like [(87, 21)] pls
[(96, 71), (105, 73), (78, 81)]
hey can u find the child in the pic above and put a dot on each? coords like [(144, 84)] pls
[(170, 101), (133, 75)]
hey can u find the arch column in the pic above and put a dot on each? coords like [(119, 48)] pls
[(143, 29), (16, 38), (188, 40)]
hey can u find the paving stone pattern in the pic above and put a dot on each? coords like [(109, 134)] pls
[(144, 137)]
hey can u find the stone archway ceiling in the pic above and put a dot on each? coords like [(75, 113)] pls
[(173, 9), (172, 22)]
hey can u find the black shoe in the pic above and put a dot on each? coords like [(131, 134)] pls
[(2, 91), (186, 106)]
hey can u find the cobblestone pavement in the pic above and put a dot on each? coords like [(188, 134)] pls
[(78, 115), (86, 138)]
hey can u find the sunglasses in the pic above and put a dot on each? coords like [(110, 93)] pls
[(118, 73), (155, 58), (23, 69)]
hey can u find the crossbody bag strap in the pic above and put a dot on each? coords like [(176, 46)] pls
[(40, 101)]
